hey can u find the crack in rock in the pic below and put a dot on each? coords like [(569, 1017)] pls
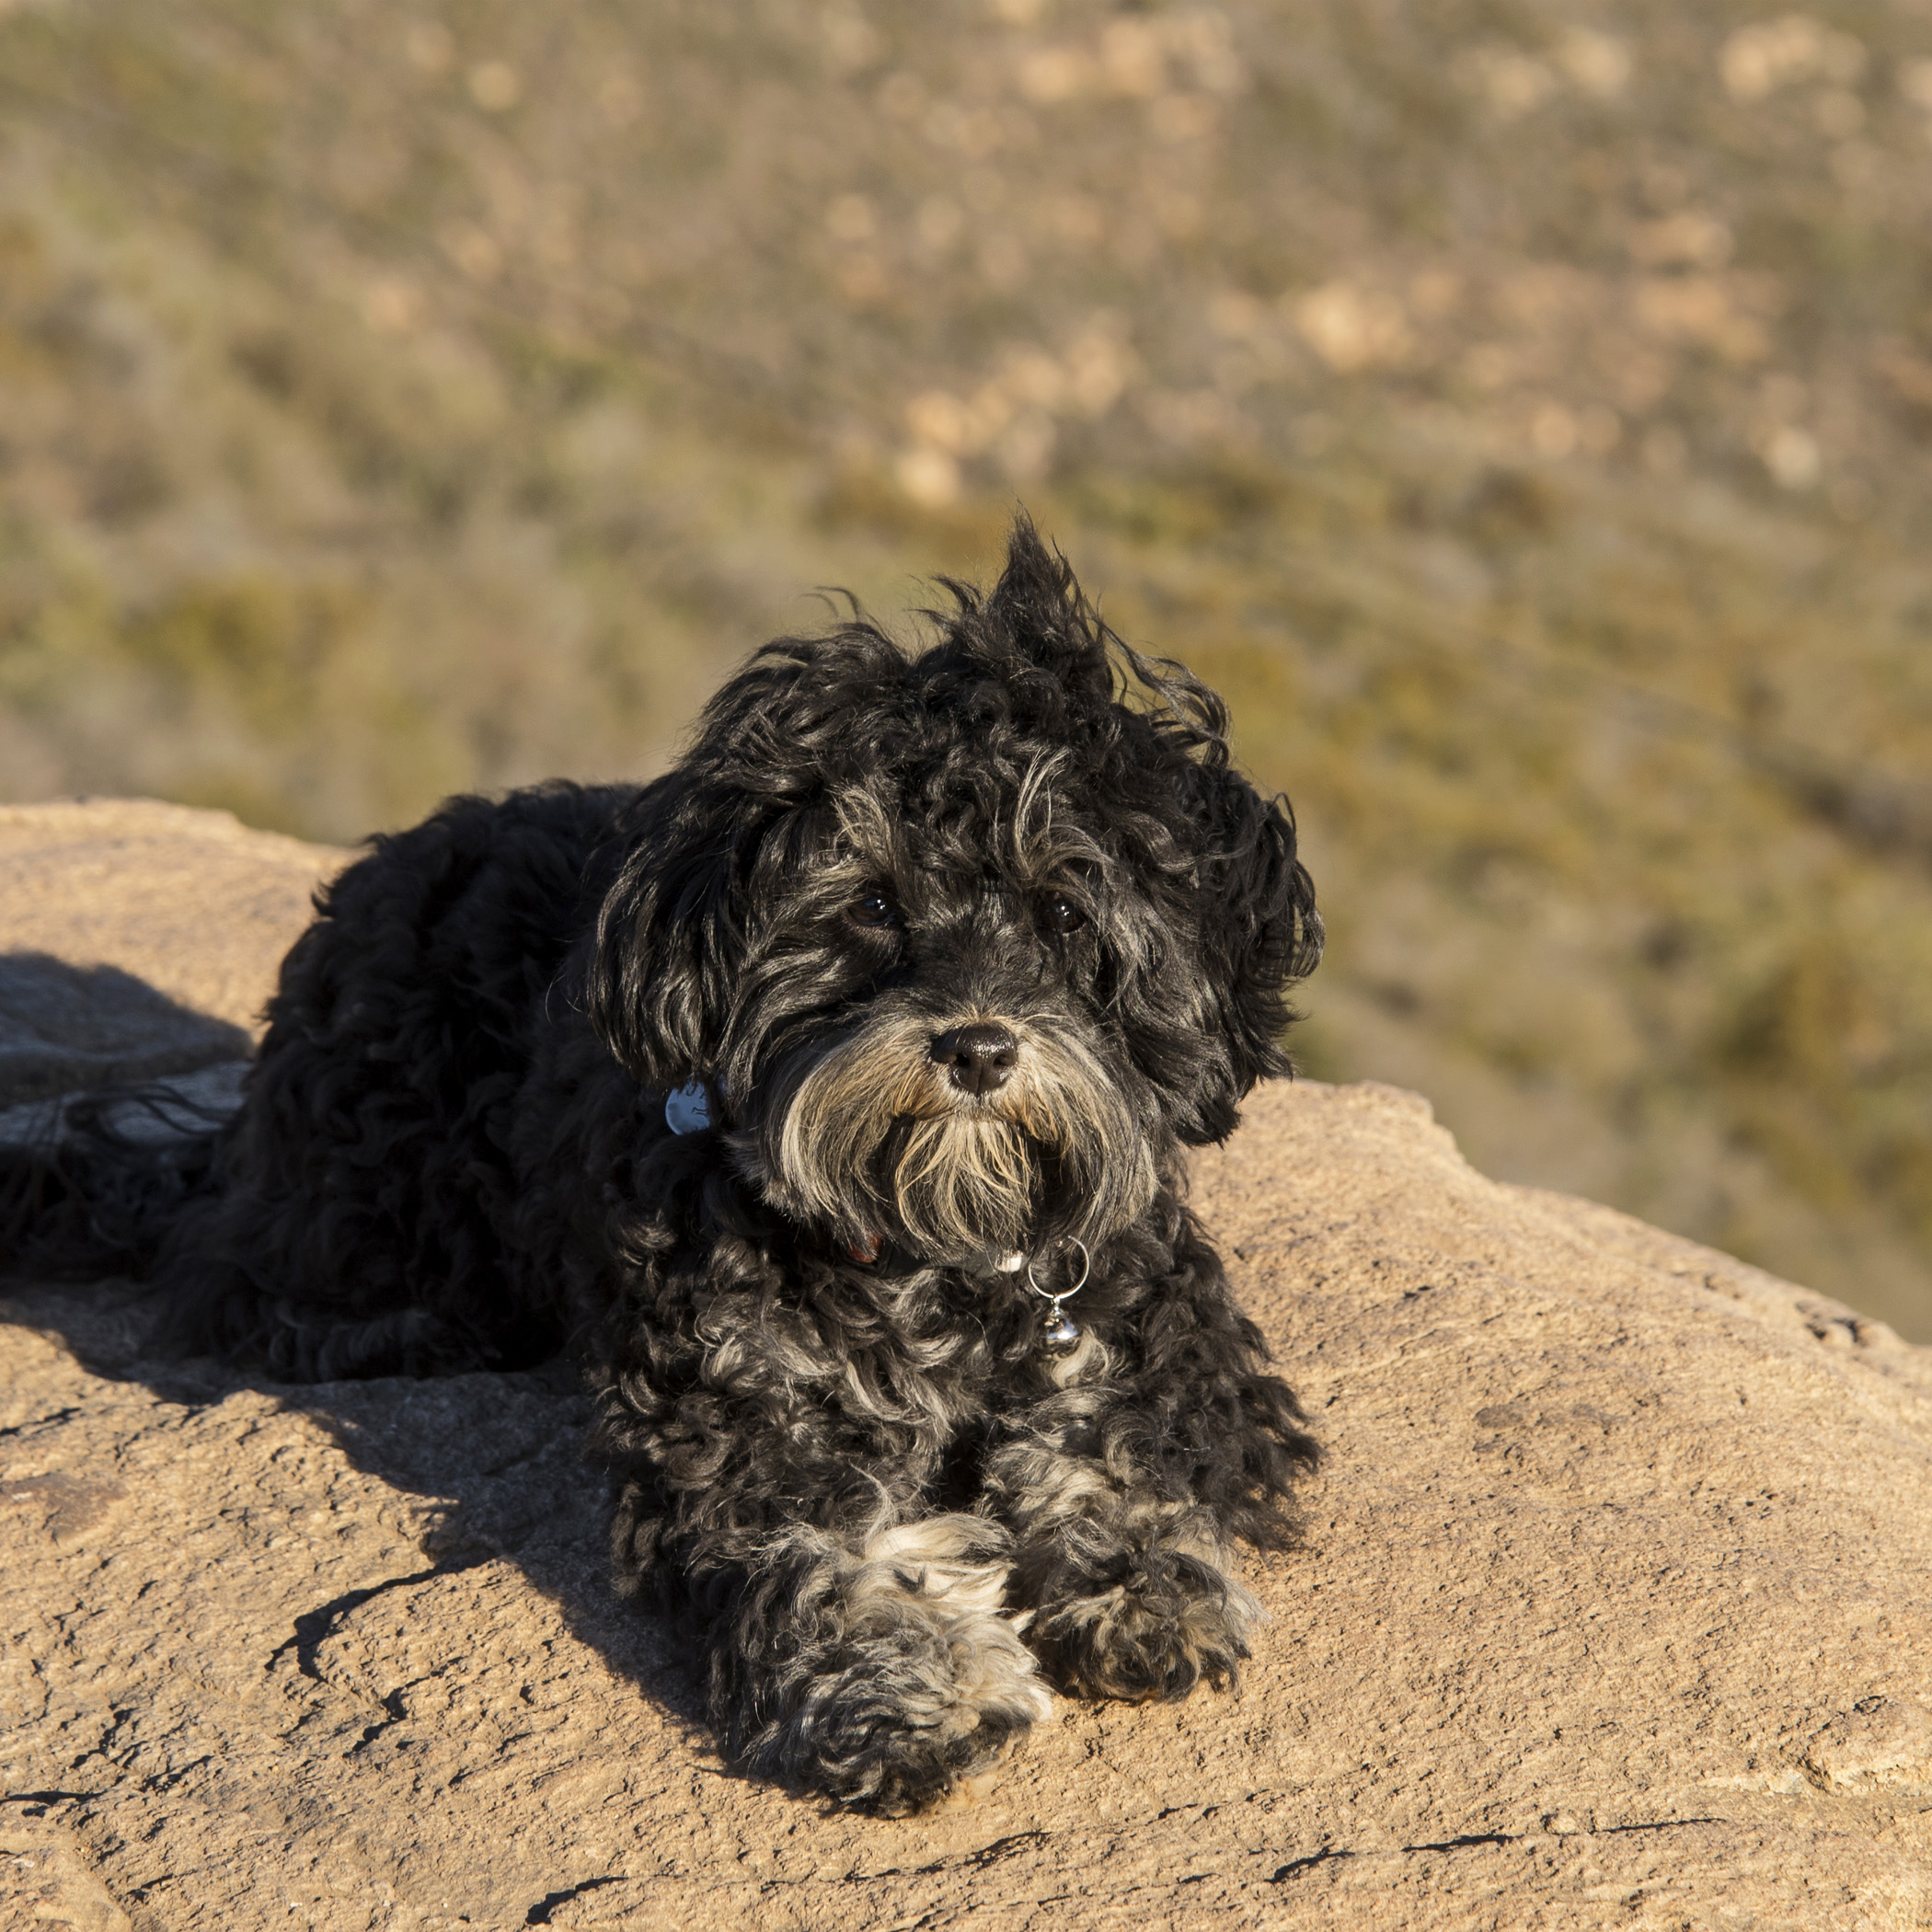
[(1309, 1863), (46, 1421), (313, 1626), (1660, 1824), (397, 1712), (1000, 1848), (1468, 1841), (539, 1913)]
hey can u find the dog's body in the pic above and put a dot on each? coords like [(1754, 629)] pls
[(957, 953)]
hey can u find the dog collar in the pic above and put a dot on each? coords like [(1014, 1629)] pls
[(866, 1249), (688, 1109), (1060, 1334)]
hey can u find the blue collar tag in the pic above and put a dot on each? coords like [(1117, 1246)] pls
[(688, 1110)]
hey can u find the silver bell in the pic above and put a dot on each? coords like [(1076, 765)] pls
[(1061, 1333)]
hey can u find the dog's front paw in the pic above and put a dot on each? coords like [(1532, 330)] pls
[(907, 1709), (1152, 1625)]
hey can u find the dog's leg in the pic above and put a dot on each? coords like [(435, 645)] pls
[(1128, 1580), (877, 1667), (1129, 1478)]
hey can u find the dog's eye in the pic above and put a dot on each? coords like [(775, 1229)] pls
[(1063, 915), (873, 911)]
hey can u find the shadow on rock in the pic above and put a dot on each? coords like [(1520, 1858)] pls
[(66, 1029), (497, 1457)]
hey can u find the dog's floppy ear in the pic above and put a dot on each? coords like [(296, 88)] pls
[(1254, 901), (1259, 930), (659, 982), (671, 936)]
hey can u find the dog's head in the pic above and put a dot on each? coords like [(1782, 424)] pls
[(963, 945)]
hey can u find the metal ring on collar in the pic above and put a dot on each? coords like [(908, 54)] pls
[(1059, 1295)]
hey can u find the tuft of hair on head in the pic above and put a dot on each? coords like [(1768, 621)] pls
[(1036, 632), (1061, 665), (1037, 612)]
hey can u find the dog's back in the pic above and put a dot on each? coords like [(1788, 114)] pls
[(348, 1221)]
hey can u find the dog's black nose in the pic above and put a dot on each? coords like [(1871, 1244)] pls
[(979, 1057)]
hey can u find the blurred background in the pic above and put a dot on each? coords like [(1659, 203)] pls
[(1523, 411)]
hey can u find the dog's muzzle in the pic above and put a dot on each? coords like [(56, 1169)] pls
[(952, 1136)]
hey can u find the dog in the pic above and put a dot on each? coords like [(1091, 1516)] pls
[(829, 1096)]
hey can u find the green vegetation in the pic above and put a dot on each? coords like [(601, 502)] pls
[(1521, 410)]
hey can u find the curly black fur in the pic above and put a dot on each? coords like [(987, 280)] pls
[(843, 1457)]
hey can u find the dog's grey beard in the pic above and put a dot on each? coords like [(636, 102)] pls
[(869, 1134)]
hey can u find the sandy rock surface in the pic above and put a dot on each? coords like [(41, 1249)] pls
[(192, 903), (1615, 1608)]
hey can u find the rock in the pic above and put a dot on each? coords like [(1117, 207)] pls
[(1613, 1608), (193, 902), (140, 942)]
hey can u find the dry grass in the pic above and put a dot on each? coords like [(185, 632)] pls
[(1521, 410)]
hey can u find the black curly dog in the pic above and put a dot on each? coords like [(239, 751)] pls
[(941, 961)]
